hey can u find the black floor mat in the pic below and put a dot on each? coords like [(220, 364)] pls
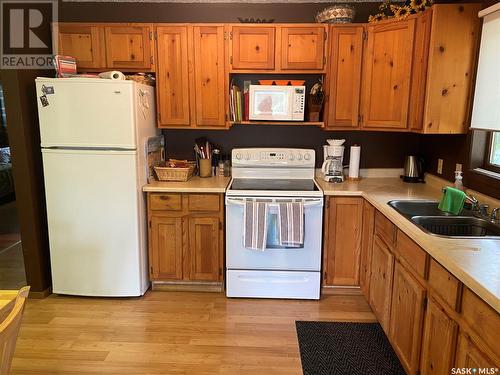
[(338, 348)]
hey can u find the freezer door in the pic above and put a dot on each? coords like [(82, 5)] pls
[(86, 113), (94, 223)]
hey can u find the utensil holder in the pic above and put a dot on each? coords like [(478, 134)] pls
[(205, 167)]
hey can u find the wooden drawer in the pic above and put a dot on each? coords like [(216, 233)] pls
[(481, 318), (414, 255), (159, 201), (444, 284), (385, 229), (203, 202)]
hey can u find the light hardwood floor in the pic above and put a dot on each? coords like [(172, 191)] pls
[(171, 333)]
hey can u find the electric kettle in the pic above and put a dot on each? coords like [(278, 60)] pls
[(413, 169)]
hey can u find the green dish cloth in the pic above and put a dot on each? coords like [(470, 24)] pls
[(452, 201)]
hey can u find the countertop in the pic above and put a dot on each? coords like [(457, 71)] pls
[(195, 184), (475, 262), (7, 299)]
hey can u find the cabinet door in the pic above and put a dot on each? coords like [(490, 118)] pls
[(166, 247), (253, 47), (366, 247), (204, 248), (172, 76), (407, 316), (469, 355), (382, 266), (129, 47), (386, 77), (439, 341), (209, 75), (345, 76), (344, 244), (302, 48), (84, 42)]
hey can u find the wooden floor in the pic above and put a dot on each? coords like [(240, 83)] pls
[(171, 333)]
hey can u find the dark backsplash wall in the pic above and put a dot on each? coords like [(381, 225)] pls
[(378, 149)]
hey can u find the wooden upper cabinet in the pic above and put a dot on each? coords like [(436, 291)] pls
[(381, 272), (209, 86), (343, 246), (83, 41), (172, 88), (302, 48), (204, 248), (406, 320), (452, 56), (165, 250), (439, 341), (129, 47), (344, 76), (386, 78), (253, 47)]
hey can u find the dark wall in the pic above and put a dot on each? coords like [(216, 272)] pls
[(181, 12), (24, 136), (378, 150), (451, 148)]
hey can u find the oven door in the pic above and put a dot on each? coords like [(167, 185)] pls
[(274, 257)]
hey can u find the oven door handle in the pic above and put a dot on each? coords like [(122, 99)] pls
[(308, 202)]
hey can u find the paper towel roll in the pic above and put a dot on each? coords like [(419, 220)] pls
[(354, 161), (112, 74)]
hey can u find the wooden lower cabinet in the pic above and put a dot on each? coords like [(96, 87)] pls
[(186, 239), (343, 241), (204, 246), (165, 248), (439, 340), (382, 266), (469, 355), (366, 246), (406, 319)]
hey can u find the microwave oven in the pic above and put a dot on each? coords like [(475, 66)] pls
[(276, 103)]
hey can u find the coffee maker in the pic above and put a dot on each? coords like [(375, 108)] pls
[(333, 154)]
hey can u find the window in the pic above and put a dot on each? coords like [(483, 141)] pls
[(492, 157)]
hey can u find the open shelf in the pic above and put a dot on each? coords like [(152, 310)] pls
[(310, 123)]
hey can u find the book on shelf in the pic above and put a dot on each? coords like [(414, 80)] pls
[(236, 104)]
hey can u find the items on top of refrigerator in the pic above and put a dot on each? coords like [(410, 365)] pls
[(65, 66)]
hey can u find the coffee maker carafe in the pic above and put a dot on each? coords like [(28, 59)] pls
[(332, 168)]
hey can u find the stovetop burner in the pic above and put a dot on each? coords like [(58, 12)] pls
[(274, 184)]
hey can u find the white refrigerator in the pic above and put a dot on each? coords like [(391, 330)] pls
[(93, 137)]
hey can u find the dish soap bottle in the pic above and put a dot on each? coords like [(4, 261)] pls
[(458, 180)]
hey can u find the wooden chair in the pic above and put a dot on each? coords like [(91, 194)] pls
[(9, 329)]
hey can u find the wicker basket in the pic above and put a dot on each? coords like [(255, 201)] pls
[(174, 174)]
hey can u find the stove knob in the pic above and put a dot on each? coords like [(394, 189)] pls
[(238, 156), (247, 156), (307, 156), (299, 157), (291, 157)]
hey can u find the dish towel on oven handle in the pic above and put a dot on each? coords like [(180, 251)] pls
[(255, 224), (291, 224)]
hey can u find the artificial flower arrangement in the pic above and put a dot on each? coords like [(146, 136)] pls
[(400, 11)]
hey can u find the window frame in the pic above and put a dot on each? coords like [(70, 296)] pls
[(489, 144)]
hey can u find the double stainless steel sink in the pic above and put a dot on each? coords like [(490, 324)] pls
[(426, 215)]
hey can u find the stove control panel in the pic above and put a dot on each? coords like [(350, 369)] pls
[(262, 157)]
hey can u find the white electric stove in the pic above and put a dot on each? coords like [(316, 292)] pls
[(274, 175)]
